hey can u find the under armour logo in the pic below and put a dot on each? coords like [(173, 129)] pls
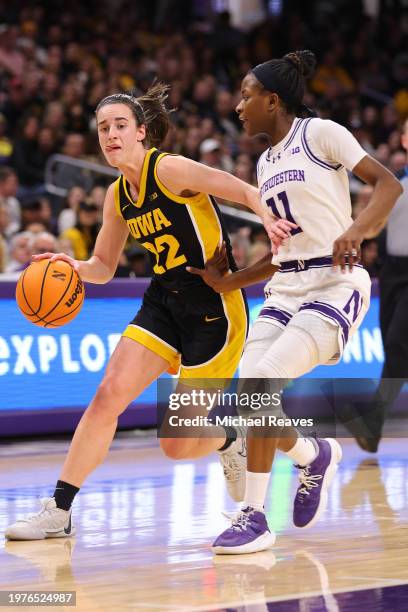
[(153, 196)]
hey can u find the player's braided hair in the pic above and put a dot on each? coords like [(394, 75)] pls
[(287, 76), (148, 109)]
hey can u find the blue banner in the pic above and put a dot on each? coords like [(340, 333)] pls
[(44, 369)]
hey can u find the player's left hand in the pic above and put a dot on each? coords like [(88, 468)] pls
[(347, 249), (215, 268)]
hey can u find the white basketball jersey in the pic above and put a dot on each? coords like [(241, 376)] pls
[(304, 179)]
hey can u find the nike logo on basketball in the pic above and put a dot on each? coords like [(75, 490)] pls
[(59, 275), (125, 207), (209, 319)]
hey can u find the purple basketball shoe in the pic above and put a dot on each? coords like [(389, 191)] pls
[(315, 479), (248, 533)]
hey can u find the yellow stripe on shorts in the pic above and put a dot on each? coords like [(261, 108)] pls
[(225, 362), (155, 344)]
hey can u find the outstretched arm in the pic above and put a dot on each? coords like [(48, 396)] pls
[(214, 272), (180, 174)]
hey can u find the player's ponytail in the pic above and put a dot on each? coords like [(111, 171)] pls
[(156, 115), (148, 109), (287, 77)]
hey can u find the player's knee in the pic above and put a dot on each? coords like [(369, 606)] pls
[(107, 400), (175, 448)]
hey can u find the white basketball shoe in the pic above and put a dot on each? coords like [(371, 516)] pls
[(234, 462), (49, 522)]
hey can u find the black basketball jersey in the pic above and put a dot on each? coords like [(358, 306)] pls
[(176, 231)]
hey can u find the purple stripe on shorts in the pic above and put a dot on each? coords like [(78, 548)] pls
[(331, 313), (275, 313), (340, 313)]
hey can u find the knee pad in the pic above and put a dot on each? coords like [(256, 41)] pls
[(322, 335)]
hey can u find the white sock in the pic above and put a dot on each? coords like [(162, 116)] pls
[(304, 452), (256, 486)]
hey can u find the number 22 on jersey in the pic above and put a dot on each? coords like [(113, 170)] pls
[(158, 248)]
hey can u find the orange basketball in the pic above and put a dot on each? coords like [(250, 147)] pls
[(50, 293)]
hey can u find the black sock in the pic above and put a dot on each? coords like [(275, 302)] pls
[(231, 437), (64, 494)]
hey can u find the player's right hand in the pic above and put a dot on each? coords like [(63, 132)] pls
[(215, 269), (55, 256), (278, 230)]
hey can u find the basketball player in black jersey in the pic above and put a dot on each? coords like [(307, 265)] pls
[(183, 324)]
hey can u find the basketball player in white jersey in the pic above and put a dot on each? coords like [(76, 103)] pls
[(319, 292)]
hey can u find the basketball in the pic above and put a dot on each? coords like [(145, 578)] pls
[(50, 293)]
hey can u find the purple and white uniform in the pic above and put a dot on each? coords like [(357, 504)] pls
[(304, 179)]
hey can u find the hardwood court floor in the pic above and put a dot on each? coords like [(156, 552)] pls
[(145, 525)]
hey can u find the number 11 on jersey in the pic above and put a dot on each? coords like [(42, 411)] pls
[(286, 207)]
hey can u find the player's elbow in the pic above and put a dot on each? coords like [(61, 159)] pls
[(398, 188), (392, 185)]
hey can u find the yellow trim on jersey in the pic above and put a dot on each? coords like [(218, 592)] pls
[(207, 225), (225, 362), (116, 196), (155, 344), (142, 188), (172, 196)]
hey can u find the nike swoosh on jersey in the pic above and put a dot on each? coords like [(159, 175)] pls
[(209, 319)]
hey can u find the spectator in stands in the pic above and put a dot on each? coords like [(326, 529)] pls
[(330, 74), (211, 154), (362, 199), (226, 115), (398, 161), (240, 247), (97, 196), (244, 168), (11, 58), (191, 145), (26, 159), (8, 191), (6, 145), (44, 242), (68, 216), (36, 211), (83, 236), (20, 252), (66, 175)]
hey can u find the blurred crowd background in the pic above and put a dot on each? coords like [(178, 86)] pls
[(57, 60)]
